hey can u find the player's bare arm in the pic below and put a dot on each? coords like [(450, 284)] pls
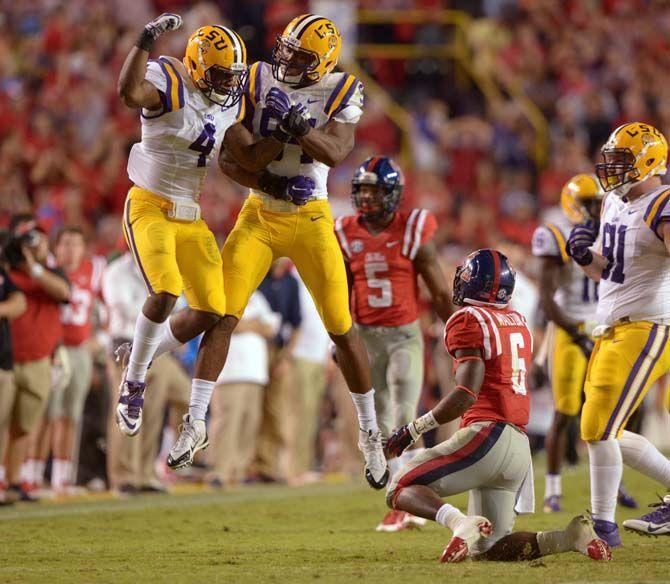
[(331, 144), (550, 269), (134, 90), (665, 234), (429, 269), (251, 156)]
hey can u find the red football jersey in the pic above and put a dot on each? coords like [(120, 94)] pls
[(506, 344), (85, 287), (385, 287)]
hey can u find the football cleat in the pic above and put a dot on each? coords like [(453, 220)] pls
[(393, 521), (552, 504), (655, 523), (414, 522), (625, 499), (192, 438), (466, 535), (129, 408), (608, 531), (584, 539), (376, 469)]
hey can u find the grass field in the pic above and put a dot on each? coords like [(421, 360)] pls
[(323, 533)]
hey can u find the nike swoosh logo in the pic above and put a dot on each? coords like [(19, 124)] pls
[(633, 211), (315, 218), (391, 243), (312, 100), (651, 529), (127, 421)]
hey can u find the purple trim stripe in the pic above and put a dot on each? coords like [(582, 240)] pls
[(346, 98), (168, 87), (631, 379), (656, 221), (180, 81), (161, 94), (335, 92), (257, 83), (133, 247)]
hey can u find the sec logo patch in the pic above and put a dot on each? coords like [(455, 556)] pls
[(357, 246)]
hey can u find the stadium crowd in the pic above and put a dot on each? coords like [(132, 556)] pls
[(64, 140)]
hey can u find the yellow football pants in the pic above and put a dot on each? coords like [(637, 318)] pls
[(567, 370), (306, 236), (173, 256), (624, 364)]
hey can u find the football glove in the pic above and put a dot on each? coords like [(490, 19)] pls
[(297, 189), (155, 28), (296, 122), (401, 439), (582, 237), (277, 103)]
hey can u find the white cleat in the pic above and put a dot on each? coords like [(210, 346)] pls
[(192, 438), (585, 540), (376, 469), (655, 523), (466, 535), (129, 408)]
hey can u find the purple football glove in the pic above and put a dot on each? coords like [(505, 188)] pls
[(296, 122), (299, 189), (277, 103), (581, 239), (401, 439)]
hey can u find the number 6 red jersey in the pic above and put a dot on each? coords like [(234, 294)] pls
[(385, 287), (506, 344)]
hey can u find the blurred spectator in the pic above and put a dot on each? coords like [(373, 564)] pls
[(35, 335), (280, 289), (238, 399)]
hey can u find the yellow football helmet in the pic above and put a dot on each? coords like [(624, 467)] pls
[(307, 50), (581, 198), (632, 153), (216, 60)]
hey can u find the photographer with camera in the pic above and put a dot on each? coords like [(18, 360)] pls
[(35, 336)]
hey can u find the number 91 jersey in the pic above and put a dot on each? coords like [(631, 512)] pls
[(506, 345), (179, 140), (636, 283), (385, 287), (337, 96)]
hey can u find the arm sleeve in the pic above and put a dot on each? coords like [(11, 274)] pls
[(163, 75), (463, 332), (658, 211)]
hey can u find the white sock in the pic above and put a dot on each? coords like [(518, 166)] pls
[(38, 472), (168, 341), (552, 485), (26, 472), (640, 454), (201, 394), (147, 337), (449, 516), (365, 408), (60, 473), (606, 470)]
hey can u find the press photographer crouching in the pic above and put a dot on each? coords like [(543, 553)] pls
[(35, 335)]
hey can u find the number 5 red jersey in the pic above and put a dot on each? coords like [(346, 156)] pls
[(506, 345), (385, 287), (85, 284)]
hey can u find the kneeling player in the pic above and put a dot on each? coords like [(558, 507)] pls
[(490, 455)]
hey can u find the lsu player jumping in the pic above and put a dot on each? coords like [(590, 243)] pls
[(632, 350), (568, 299), (490, 455), (385, 251), (309, 113), (186, 107)]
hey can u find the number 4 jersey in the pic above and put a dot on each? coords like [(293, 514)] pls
[(636, 282), (385, 287), (506, 345), (179, 140)]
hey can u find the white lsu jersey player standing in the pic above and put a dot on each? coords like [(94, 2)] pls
[(186, 107), (632, 350), (310, 114)]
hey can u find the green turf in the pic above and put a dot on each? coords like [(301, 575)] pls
[(323, 533)]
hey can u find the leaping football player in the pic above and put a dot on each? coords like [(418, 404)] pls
[(185, 108), (632, 266), (490, 455), (385, 251), (309, 112)]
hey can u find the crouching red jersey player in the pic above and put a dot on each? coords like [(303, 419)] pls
[(490, 455)]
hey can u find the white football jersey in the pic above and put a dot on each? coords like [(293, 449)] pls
[(636, 283), (576, 295), (180, 140), (337, 96)]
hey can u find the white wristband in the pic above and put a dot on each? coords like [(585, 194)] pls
[(36, 270), (423, 424)]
